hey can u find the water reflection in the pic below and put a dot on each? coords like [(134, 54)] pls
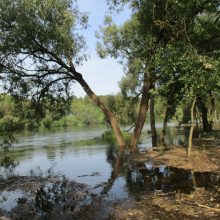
[(7, 167), (146, 177), (171, 179), (79, 153), (176, 136)]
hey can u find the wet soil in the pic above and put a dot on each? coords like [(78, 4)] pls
[(164, 196), (170, 206), (180, 187)]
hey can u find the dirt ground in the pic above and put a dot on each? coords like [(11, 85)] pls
[(202, 159), (200, 205)]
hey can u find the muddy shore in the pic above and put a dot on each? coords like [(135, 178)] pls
[(200, 203), (174, 186), (202, 159)]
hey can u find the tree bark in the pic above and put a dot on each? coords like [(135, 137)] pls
[(142, 112), (207, 127), (163, 133), (152, 123), (212, 110), (191, 129), (108, 114)]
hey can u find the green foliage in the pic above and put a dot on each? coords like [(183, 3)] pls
[(159, 109), (8, 126), (124, 108), (86, 112), (109, 137), (176, 42), (38, 40), (47, 121), (47, 22), (172, 44)]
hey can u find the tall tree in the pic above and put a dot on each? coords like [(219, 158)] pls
[(40, 47), (154, 25)]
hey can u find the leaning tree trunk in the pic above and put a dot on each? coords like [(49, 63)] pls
[(152, 123), (165, 121), (142, 112), (191, 129), (108, 114), (207, 127)]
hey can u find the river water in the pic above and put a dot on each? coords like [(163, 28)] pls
[(80, 155)]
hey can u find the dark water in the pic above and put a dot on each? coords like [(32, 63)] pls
[(80, 155), (172, 179)]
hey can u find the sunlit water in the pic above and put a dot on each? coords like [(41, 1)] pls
[(80, 155)]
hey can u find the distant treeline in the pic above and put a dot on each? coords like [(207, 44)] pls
[(80, 111), (23, 114)]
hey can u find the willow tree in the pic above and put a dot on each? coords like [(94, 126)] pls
[(153, 26), (40, 48)]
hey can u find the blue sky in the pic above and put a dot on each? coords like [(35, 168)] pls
[(102, 75)]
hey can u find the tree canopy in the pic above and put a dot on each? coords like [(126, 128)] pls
[(168, 46), (41, 48), (164, 43)]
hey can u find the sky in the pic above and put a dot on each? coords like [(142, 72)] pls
[(102, 75)]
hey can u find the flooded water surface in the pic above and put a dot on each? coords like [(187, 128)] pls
[(80, 155)]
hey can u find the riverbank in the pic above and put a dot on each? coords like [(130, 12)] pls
[(196, 196), (202, 159), (53, 198), (200, 204), (157, 184)]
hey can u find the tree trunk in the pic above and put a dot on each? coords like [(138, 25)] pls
[(142, 112), (215, 116), (163, 133), (152, 123), (207, 127), (108, 114), (191, 129), (198, 120), (212, 110)]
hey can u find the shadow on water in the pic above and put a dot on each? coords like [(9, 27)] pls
[(176, 136)]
